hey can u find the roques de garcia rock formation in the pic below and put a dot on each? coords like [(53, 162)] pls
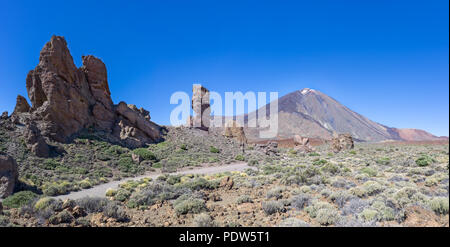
[(66, 99), (201, 107)]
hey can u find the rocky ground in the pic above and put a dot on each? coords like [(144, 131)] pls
[(370, 185)]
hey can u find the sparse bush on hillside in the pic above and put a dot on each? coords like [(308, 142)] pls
[(272, 207), (145, 153), (213, 149), (327, 216), (300, 201), (369, 171), (199, 183), (50, 164), (44, 203), (19, 199), (340, 197), (183, 147), (186, 204), (154, 192), (330, 168), (313, 209), (439, 205), (244, 199), (319, 162), (239, 157), (383, 161), (293, 222), (372, 187), (204, 220), (424, 161), (369, 214), (276, 192), (127, 165)]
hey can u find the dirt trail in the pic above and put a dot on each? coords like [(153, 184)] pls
[(100, 190)]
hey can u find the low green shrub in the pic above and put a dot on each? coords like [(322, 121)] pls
[(213, 149), (369, 171), (327, 216), (383, 161), (424, 161), (186, 204), (319, 162), (145, 154), (439, 205), (204, 220), (244, 199), (43, 203), (239, 157), (127, 165), (50, 164), (272, 207), (19, 199)]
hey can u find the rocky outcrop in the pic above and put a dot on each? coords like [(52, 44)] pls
[(270, 148), (233, 130), (342, 142), (35, 142), (66, 99), (201, 107), (302, 144), (8, 175), (144, 113), (4, 115), (21, 105), (134, 128)]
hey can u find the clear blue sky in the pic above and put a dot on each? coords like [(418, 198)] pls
[(387, 60)]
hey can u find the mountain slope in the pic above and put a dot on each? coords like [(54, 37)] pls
[(418, 135), (311, 113)]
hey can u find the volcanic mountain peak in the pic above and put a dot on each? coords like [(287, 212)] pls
[(311, 113), (305, 91)]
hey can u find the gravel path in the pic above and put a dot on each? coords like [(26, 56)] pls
[(100, 190)]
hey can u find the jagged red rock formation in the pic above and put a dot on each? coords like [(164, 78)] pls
[(21, 105), (66, 99)]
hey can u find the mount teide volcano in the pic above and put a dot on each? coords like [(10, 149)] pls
[(311, 113)]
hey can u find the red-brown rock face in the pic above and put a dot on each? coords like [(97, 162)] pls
[(66, 99), (8, 175)]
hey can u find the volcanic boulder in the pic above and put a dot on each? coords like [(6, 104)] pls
[(8, 175), (302, 144), (342, 142)]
